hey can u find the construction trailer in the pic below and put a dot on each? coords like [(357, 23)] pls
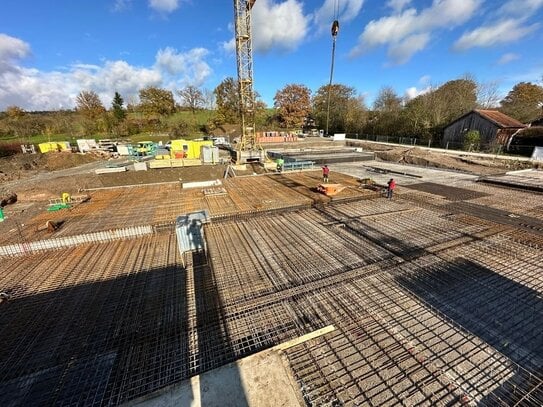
[(54, 147), (188, 148)]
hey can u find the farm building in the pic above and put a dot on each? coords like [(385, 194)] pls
[(493, 126), (524, 141)]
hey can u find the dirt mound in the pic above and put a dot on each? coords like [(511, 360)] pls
[(22, 166), (7, 197)]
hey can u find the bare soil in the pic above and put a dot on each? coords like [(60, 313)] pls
[(21, 166), (424, 158)]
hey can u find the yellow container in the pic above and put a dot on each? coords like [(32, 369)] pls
[(181, 149), (64, 146), (47, 147), (53, 147)]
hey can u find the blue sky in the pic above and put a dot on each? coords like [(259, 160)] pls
[(51, 50)]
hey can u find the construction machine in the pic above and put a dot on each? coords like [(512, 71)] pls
[(248, 149)]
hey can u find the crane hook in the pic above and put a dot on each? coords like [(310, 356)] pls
[(335, 28)]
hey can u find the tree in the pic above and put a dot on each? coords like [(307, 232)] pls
[(454, 98), (387, 101), (427, 114), (488, 95), (117, 108), (357, 115), (179, 129), (156, 101), (89, 104), (227, 100), (472, 140), (293, 103), (387, 108), (524, 102), (192, 98), (14, 112), (340, 95), (209, 99)]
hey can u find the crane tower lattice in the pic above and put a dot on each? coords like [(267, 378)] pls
[(244, 53)]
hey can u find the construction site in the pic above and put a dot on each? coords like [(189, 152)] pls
[(293, 286), (430, 298)]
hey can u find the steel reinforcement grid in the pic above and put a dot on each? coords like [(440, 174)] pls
[(431, 307)]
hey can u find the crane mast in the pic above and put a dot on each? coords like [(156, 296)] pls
[(248, 149)]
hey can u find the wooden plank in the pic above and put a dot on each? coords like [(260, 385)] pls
[(305, 338)]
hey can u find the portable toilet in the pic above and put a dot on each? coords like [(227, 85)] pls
[(210, 154)]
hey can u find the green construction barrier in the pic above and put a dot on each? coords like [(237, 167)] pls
[(1, 215)]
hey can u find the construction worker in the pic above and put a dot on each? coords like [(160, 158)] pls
[(325, 173), (280, 162), (390, 189)]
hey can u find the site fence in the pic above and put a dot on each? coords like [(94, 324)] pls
[(23, 248)]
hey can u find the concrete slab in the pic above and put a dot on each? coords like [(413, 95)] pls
[(260, 380)]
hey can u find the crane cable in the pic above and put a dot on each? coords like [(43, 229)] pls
[(334, 32)]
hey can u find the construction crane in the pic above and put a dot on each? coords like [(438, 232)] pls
[(248, 149)]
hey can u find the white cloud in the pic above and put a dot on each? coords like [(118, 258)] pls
[(11, 49), (413, 92), (283, 25), (325, 15), (509, 57), (502, 32), (280, 26), (229, 46), (410, 31), (164, 6), (402, 51), (398, 5), (521, 8), (121, 5), (510, 24), (32, 89), (425, 79)]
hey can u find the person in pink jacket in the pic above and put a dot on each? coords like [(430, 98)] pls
[(390, 190), (325, 172)]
